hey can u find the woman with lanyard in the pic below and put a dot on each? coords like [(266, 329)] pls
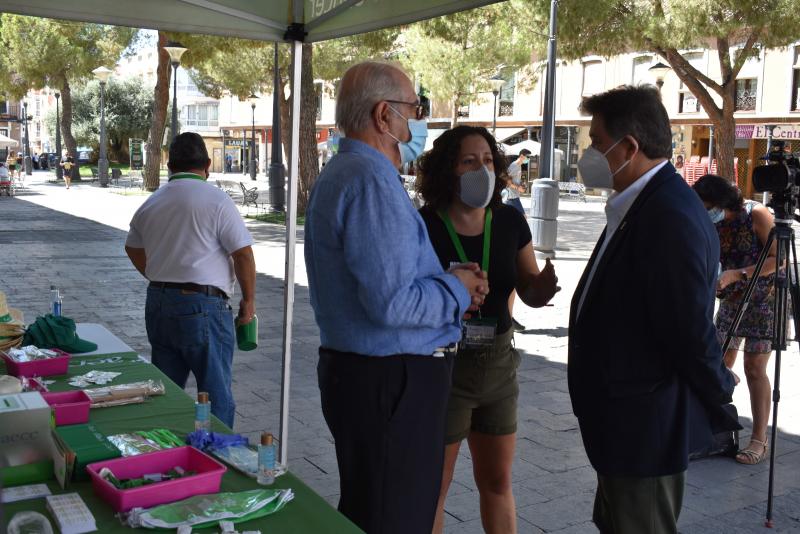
[(467, 222)]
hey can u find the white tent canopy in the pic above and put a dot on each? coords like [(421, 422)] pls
[(7, 142), (269, 20)]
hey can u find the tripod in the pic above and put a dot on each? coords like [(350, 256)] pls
[(786, 281)]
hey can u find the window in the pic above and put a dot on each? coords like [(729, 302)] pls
[(38, 107), (3, 107), (796, 80), (38, 129), (506, 96), (593, 78), (462, 109), (641, 70), (201, 115), (688, 103), (4, 131), (696, 60), (746, 91)]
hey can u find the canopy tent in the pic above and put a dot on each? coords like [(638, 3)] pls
[(7, 142), (295, 21)]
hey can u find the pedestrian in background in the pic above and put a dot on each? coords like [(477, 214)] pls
[(67, 163), (388, 314), (189, 240), (467, 222), (514, 186), (744, 227), (645, 371)]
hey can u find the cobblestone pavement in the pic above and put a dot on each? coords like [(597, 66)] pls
[(74, 239)]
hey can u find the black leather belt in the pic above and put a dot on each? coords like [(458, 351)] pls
[(211, 291)]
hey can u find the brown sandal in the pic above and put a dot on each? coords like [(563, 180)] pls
[(749, 456)]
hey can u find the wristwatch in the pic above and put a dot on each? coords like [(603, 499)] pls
[(744, 275)]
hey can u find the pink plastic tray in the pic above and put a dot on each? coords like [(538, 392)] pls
[(207, 480), (71, 407), (48, 367)]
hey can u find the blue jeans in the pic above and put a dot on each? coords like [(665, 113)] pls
[(193, 332), (517, 203)]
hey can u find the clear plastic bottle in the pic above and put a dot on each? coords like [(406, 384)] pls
[(202, 412), (55, 301), (266, 460)]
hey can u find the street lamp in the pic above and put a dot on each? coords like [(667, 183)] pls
[(253, 99), (26, 147), (102, 74), (497, 83), (659, 70), (175, 51), (277, 176), (59, 170)]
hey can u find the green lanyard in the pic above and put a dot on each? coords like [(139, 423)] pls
[(487, 238), (186, 176)]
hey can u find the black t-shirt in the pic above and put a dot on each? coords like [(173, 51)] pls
[(510, 233)]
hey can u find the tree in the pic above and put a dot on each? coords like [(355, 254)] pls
[(37, 53), (454, 56), (129, 105), (247, 67), (736, 29), (200, 47)]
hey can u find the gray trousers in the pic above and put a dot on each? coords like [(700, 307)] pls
[(629, 505)]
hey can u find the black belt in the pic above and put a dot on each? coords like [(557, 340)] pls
[(211, 291)]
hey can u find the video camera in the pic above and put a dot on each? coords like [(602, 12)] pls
[(781, 174)]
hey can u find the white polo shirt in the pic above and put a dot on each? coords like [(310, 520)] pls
[(188, 230)]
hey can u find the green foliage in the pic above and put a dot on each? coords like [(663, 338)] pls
[(609, 27), (454, 56), (129, 109), (38, 52)]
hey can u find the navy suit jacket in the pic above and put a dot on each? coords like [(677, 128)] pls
[(646, 376)]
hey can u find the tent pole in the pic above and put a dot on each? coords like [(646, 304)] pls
[(291, 235)]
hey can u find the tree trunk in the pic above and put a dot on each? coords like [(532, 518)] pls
[(66, 127), (454, 118), (309, 155), (155, 139), (725, 134)]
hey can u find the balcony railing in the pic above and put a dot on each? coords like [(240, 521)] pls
[(746, 101), (10, 111)]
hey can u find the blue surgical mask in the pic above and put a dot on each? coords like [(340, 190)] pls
[(412, 149), (716, 215)]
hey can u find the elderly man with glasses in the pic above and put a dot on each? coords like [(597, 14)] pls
[(389, 317)]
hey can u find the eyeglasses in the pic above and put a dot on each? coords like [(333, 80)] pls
[(419, 109)]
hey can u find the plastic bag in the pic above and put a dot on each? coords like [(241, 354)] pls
[(207, 510)]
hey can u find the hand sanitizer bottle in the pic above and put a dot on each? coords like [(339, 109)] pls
[(266, 460), (202, 412)]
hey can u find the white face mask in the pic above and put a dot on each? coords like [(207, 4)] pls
[(595, 170), (477, 187)]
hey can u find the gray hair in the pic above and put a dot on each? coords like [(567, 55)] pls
[(360, 89)]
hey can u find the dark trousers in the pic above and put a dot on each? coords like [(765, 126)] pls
[(630, 505), (387, 417)]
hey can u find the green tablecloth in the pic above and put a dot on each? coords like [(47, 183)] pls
[(307, 513)]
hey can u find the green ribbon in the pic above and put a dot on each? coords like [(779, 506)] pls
[(487, 238), (186, 176)]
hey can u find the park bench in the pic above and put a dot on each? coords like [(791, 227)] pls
[(572, 190), (249, 196)]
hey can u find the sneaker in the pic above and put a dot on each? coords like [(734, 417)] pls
[(517, 326)]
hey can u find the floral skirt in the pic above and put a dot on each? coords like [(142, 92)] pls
[(755, 327)]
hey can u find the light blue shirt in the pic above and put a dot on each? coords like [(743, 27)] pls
[(617, 207), (377, 287)]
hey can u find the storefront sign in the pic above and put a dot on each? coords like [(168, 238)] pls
[(136, 150), (234, 143), (761, 131)]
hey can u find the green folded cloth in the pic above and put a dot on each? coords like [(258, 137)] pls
[(58, 332)]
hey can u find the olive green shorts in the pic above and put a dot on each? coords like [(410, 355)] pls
[(484, 394)]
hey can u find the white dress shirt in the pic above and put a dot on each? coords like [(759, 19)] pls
[(617, 207)]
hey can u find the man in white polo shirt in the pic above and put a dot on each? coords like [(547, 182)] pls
[(189, 240)]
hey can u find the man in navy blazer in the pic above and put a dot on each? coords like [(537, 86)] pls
[(646, 375)]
